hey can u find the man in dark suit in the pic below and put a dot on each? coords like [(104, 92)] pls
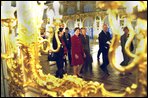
[(99, 51), (67, 40), (61, 54), (104, 42)]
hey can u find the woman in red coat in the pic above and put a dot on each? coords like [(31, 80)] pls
[(77, 52)]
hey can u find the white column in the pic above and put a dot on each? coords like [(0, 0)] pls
[(95, 26), (56, 6), (125, 22), (7, 12), (80, 23), (41, 8), (78, 5), (3, 63), (118, 19), (27, 12), (62, 9)]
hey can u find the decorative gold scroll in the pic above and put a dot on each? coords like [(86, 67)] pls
[(24, 69)]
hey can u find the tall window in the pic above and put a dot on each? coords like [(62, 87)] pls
[(70, 25), (70, 10), (88, 8)]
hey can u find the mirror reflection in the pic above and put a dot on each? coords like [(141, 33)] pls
[(81, 40), (95, 35)]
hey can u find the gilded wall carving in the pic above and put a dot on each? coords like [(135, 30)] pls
[(25, 71)]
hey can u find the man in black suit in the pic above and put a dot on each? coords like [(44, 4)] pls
[(104, 42), (67, 40)]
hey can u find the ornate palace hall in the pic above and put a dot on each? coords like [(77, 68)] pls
[(51, 48)]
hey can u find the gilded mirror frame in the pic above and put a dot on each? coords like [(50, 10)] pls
[(24, 69)]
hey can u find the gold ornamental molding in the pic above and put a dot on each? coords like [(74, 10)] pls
[(25, 72), (79, 16)]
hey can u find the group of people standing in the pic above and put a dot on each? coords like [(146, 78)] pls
[(81, 56), (104, 45), (77, 49)]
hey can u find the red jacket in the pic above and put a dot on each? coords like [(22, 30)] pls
[(63, 43), (76, 48)]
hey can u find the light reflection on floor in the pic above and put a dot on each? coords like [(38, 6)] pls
[(94, 51)]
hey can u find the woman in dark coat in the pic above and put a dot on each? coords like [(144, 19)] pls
[(77, 52), (85, 43), (123, 39)]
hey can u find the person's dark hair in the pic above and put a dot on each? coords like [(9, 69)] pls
[(60, 30), (66, 28), (125, 28), (15, 14), (42, 28), (83, 28), (76, 29)]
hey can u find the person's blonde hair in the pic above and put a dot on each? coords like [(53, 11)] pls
[(104, 25), (83, 28)]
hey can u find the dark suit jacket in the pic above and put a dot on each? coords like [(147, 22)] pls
[(85, 42), (62, 51), (123, 42), (67, 41), (103, 38)]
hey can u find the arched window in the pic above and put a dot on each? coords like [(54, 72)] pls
[(88, 24), (88, 8), (70, 25), (70, 10)]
